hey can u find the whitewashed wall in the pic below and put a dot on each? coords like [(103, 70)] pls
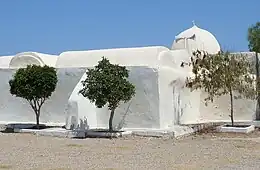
[(14, 109), (141, 112), (162, 99)]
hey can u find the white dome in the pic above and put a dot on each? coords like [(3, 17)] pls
[(196, 38)]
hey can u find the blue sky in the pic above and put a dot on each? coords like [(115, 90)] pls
[(54, 26)]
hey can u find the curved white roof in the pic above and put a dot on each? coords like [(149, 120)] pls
[(140, 56), (196, 38), (26, 58)]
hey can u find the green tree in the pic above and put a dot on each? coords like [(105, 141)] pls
[(35, 84), (253, 37), (222, 74), (107, 83)]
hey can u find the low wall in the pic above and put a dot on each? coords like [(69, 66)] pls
[(217, 111), (244, 109)]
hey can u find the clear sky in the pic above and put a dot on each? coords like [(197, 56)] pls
[(54, 26)]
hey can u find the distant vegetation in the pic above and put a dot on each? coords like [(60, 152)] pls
[(253, 37)]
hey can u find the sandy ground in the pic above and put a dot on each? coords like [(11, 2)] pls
[(207, 151)]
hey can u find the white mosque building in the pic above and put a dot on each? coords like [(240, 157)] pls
[(161, 102)]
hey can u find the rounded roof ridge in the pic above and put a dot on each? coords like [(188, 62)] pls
[(196, 38)]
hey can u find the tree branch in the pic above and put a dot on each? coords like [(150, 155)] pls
[(33, 105), (38, 104), (42, 101)]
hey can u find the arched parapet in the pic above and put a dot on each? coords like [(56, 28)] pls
[(21, 60)]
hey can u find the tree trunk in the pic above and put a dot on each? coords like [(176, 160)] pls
[(37, 110), (38, 121), (111, 120), (37, 113), (257, 87), (231, 108)]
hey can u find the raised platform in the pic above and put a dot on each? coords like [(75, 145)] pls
[(236, 129), (60, 132), (54, 132), (173, 132)]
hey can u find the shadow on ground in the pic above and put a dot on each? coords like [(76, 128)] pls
[(9, 128)]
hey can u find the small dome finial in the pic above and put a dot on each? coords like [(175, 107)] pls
[(193, 22)]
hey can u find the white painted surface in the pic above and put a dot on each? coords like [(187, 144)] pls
[(150, 68), (13, 109), (142, 56), (153, 105), (196, 38), (162, 101), (244, 109), (141, 112), (25, 58), (80, 109), (248, 129), (63, 133), (54, 132), (106, 134), (5, 61)]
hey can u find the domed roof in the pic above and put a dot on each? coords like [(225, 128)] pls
[(196, 38)]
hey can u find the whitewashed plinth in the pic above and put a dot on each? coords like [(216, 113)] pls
[(54, 132), (99, 134), (22, 125), (230, 129)]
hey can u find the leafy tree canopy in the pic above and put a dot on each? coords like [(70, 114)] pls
[(254, 38), (107, 83), (34, 82), (221, 73)]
